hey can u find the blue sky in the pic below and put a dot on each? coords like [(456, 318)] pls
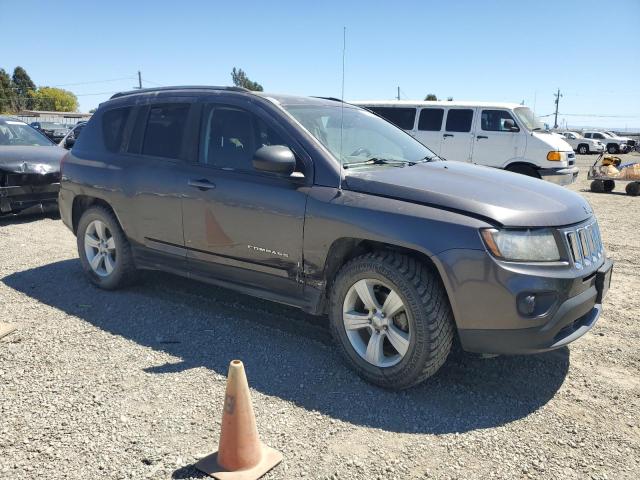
[(470, 50)]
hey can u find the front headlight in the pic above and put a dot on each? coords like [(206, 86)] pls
[(537, 245)]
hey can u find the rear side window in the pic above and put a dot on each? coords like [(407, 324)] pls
[(165, 130), (494, 121), (459, 120), (401, 117), (113, 124), (431, 119)]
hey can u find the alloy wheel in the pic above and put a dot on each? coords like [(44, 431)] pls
[(100, 248), (376, 322)]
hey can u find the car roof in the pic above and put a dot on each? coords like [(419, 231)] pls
[(9, 117)]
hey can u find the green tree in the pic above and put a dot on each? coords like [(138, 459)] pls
[(430, 97), (54, 99), (24, 86), (240, 79), (7, 93)]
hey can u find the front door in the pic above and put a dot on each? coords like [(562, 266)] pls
[(241, 225), (496, 142), (457, 137)]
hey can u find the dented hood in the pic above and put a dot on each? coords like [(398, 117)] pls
[(506, 198), (31, 159)]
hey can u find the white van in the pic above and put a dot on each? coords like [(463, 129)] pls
[(501, 135)]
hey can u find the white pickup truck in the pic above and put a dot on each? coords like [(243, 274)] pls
[(582, 145), (613, 144)]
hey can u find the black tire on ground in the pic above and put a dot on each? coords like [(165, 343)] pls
[(429, 317), (597, 186), (609, 185), (612, 148), (524, 170), (124, 271), (583, 149), (633, 189)]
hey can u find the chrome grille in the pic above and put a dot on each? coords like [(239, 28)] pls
[(585, 245)]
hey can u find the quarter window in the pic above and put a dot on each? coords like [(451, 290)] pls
[(165, 130), (404, 118), (494, 120), (459, 120), (430, 119), (231, 137), (113, 124)]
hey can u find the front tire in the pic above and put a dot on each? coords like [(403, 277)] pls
[(612, 148), (104, 250), (583, 149), (391, 318)]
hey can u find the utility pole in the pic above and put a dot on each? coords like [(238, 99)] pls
[(398, 97), (139, 80), (557, 95)]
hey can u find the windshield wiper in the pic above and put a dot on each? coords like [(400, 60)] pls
[(379, 161)]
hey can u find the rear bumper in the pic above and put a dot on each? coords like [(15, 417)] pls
[(560, 176), (20, 198)]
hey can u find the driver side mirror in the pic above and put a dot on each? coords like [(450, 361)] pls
[(69, 142), (510, 126), (275, 159)]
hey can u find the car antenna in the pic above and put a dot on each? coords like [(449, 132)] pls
[(344, 49)]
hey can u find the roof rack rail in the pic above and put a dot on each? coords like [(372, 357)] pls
[(182, 87)]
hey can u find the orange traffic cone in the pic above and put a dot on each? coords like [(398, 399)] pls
[(241, 455)]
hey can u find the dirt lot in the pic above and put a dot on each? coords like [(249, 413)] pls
[(129, 384)]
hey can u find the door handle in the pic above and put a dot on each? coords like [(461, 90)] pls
[(481, 136), (202, 184), (447, 135)]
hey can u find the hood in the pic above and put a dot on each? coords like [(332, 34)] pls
[(556, 142), (31, 159), (506, 198)]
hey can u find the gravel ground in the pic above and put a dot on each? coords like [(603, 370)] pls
[(129, 384)]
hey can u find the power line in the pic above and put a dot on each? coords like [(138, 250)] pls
[(93, 82)]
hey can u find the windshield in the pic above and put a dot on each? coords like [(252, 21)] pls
[(611, 134), (528, 118), (576, 134), (365, 136), (18, 133)]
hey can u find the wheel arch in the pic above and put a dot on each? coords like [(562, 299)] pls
[(81, 203), (344, 249)]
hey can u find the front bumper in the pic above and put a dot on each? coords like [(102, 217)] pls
[(560, 176), (484, 297), (26, 197)]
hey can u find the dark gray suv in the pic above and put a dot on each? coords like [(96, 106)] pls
[(322, 205)]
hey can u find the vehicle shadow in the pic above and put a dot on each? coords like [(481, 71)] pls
[(289, 354), (20, 218)]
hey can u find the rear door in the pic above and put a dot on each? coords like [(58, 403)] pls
[(429, 130), (242, 225), (457, 137), (494, 144)]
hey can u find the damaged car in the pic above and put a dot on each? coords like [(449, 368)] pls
[(29, 169)]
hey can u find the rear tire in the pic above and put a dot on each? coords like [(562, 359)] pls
[(633, 189), (424, 319), (105, 252), (583, 149), (524, 170), (609, 185), (597, 186)]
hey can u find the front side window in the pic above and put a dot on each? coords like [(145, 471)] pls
[(459, 120), (165, 130), (587, 135), (13, 132), (403, 118), (496, 121), (354, 135), (113, 123), (231, 136), (431, 119)]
